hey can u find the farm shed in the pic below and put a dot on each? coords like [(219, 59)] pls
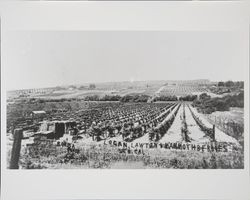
[(44, 135), (39, 114), (57, 128)]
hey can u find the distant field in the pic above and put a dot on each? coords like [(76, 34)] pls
[(100, 92), (182, 90), (74, 94), (102, 89)]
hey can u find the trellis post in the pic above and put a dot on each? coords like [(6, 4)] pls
[(213, 132), (16, 148)]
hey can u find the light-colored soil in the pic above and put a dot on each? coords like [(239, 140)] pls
[(219, 135), (174, 133), (196, 134)]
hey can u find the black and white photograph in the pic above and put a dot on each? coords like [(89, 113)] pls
[(125, 100)]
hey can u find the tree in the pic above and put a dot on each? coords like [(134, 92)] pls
[(110, 98), (166, 98), (188, 98), (221, 105), (92, 86), (239, 84), (221, 84), (92, 98), (82, 87), (229, 84), (204, 96)]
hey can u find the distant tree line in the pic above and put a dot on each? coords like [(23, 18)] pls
[(188, 98), (104, 98), (175, 98), (43, 100), (166, 98), (207, 105), (92, 86), (239, 84), (126, 98), (135, 98)]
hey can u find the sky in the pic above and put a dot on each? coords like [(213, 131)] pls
[(36, 59)]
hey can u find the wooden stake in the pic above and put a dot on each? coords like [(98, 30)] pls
[(15, 154)]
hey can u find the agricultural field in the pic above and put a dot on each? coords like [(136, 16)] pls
[(82, 91), (128, 135), (180, 90), (123, 125)]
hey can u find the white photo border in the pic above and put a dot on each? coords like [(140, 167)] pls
[(124, 184)]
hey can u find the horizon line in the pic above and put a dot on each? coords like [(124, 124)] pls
[(135, 81)]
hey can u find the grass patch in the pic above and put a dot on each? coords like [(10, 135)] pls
[(38, 157)]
